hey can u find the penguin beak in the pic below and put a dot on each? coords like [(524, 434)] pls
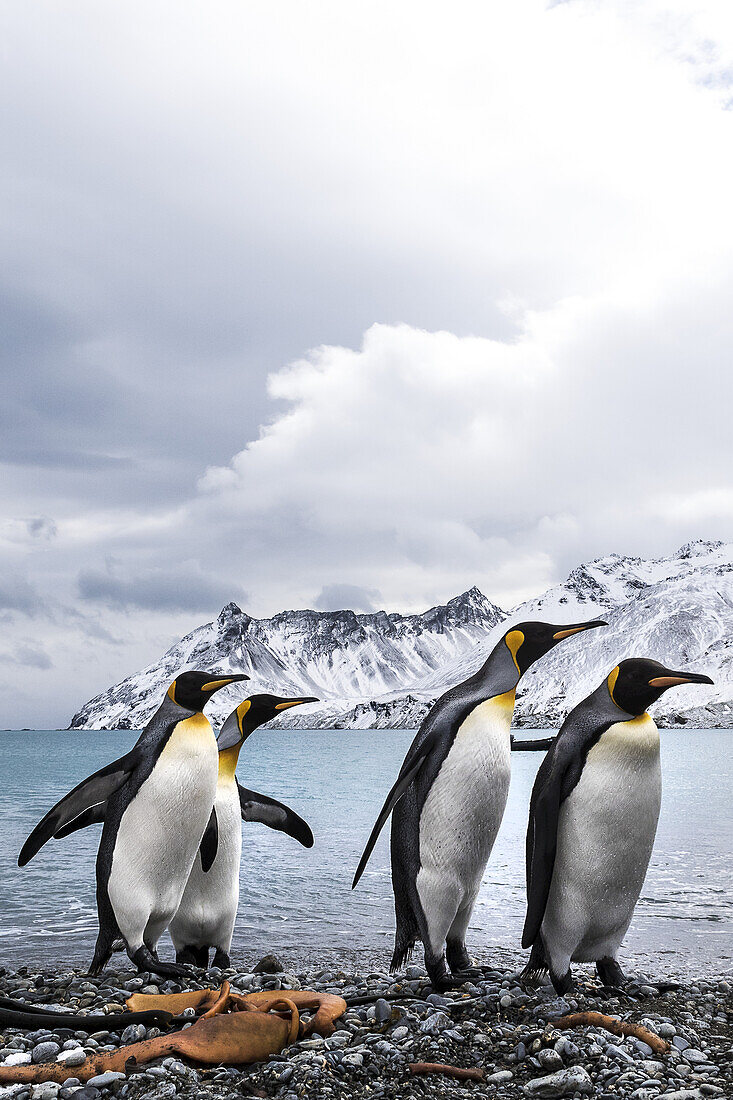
[(576, 628), (287, 703), (225, 681), (672, 679)]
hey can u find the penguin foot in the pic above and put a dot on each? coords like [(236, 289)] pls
[(438, 973), (193, 956), (457, 956), (610, 973), (470, 974), (144, 960), (221, 959), (563, 984)]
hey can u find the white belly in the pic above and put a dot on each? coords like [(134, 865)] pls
[(208, 909), (160, 833), (605, 838), (464, 807)]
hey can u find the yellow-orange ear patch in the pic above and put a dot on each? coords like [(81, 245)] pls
[(241, 711), (611, 681), (513, 641), (171, 692)]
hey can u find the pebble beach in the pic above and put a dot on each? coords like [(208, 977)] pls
[(497, 1024)]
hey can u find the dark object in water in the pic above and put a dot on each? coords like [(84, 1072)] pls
[(540, 744)]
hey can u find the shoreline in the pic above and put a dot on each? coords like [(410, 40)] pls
[(497, 1023)]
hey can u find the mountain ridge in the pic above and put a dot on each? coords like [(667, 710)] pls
[(384, 669)]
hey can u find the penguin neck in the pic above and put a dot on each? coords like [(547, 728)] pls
[(499, 676), (228, 759)]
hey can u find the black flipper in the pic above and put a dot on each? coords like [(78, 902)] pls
[(258, 807), (409, 770), (93, 816), (210, 842), (557, 776), (88, 795)]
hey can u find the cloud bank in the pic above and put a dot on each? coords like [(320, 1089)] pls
[(509, 258)]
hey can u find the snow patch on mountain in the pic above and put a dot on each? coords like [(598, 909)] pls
[(384, 670)]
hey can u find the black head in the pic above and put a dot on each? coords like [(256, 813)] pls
[(192, 690), (636, 683), (254, 712), (527, 642)]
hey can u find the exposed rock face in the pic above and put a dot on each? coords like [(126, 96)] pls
[(383, 670)]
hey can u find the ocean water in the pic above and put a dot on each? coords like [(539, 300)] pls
[(299, 903)]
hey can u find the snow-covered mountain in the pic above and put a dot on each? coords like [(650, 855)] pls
[(384, 670)]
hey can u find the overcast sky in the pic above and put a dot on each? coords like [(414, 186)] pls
[(358, 305)]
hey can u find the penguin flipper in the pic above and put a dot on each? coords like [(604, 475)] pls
[(276, 815), (558, 774), (93, 816), (406, 776), (210, 842), (89, 795)]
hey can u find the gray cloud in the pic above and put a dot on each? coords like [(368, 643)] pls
[(16, 594), (548, 378), (41, 527), (32, 657), (336, 597), (180, 588)]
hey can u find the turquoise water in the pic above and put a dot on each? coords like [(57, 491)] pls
[(299, 903)]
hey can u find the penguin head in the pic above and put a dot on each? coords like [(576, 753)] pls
[(636, 683), (192, 690), (527, 642), (254, 712)]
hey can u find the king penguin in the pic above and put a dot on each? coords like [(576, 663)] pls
[(208, 909), (449, 800), (592, 821), (159, 799)]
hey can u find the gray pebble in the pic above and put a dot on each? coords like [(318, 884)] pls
[(550, 1060), (564, 1083), (74, 1056), (45, 1052), (104, 1080), (435, 1023)]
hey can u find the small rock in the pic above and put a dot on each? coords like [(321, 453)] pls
[(567, 1050), (104, 1080), (45, 1052), (691, 1055), (49, 1090), (382, 1011), (72, 1057), (500, 1077), (550, 1060), (20, 1059), (269, 964), (435, 1023), (133, 1033), (564, 1083)]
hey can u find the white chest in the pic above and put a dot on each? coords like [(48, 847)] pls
[(608, 822), (208, 908), (161, 829), (462, 812)]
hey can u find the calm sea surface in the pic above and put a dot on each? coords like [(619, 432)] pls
[(299, 903)]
